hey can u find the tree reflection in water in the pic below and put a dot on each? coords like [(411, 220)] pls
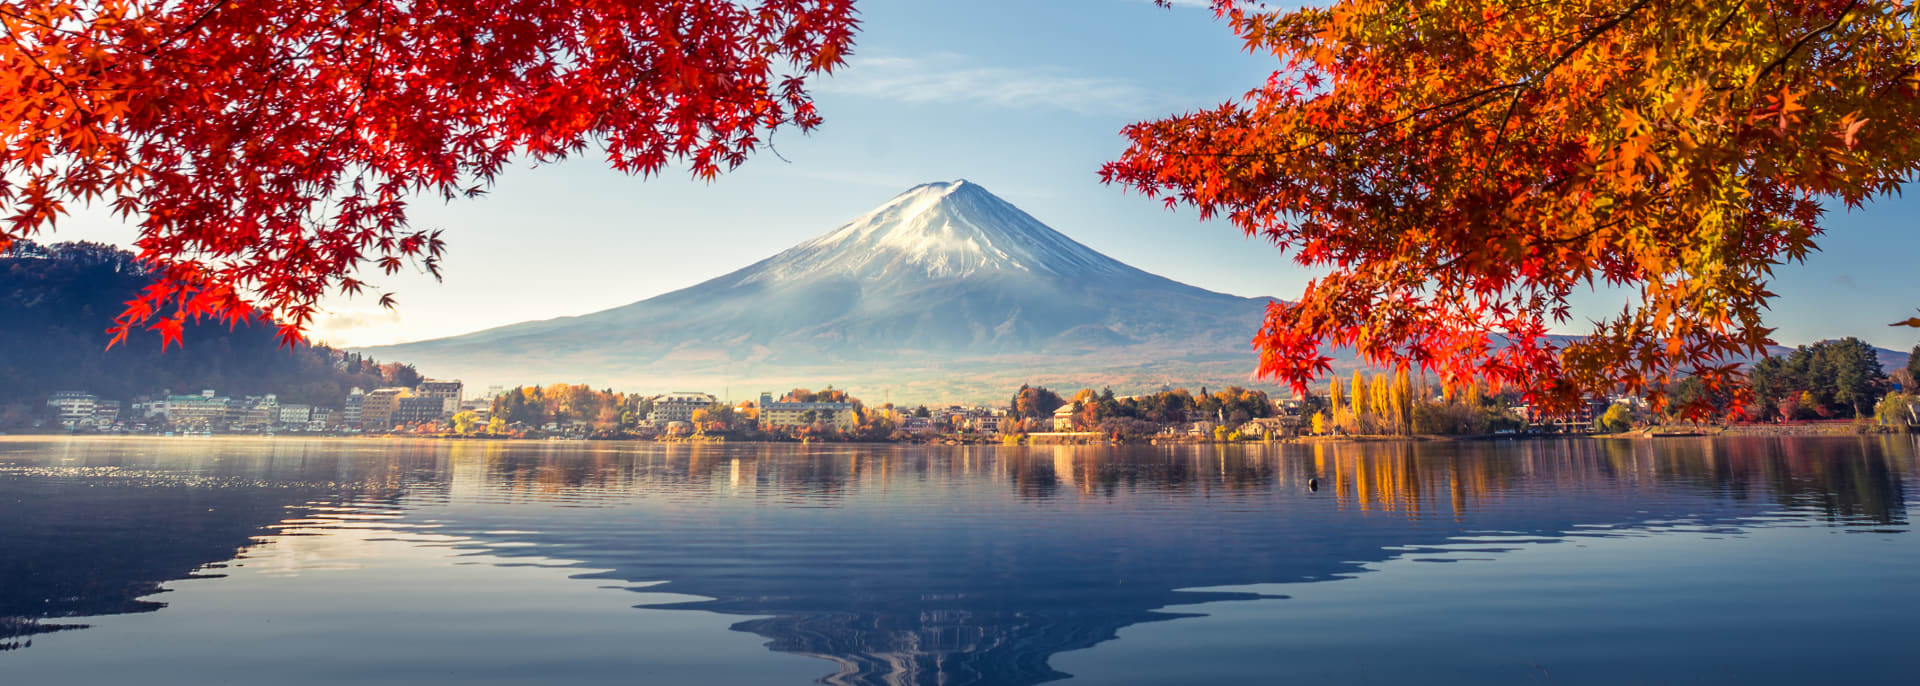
[(912, 565)]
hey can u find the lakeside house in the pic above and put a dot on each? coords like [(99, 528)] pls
[(203, 411), (350, 411), (775, 415), (72, 409), (295, 414), (1063, 418), (419, 409), (255, 412), (377, 407), (1579, 420), (1271, 427), (679, 406), (447, 392), (320, 419)]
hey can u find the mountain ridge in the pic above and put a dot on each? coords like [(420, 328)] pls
[(943, 279)]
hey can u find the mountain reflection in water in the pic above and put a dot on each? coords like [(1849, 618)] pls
[(905, 565)]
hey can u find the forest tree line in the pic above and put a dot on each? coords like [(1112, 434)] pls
[(54, 298)]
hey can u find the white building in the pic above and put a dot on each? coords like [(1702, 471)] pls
[(257, 411), (350, 416), (1063, 418), (296, 415), (773, 415), (448, 392), (73, 409), (156, 409), (206, 410), (106, 413), (678, 407)]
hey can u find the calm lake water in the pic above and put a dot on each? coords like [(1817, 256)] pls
[(1680, 561)]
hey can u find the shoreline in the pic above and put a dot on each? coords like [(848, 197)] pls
[(1838, 428)]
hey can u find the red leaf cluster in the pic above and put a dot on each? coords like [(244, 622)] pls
[(268, 150)]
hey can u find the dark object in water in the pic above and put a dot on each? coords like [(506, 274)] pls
[(1313, 485)]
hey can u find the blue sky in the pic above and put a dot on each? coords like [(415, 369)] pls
[(1025, 97)]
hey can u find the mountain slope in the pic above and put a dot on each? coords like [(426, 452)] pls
[(945, 279), (945, 292)]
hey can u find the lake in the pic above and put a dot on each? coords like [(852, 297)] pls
[(1681, 561)]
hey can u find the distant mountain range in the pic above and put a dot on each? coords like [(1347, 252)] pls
[(945, 292)]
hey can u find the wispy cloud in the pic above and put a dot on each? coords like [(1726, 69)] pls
[(956, 79), (356, 327)]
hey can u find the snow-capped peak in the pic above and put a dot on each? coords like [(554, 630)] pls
[(941, 230), (906, 206)]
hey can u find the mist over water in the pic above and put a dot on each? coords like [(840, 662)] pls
[(1584, 560)]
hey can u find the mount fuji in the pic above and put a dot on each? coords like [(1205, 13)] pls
[(945, 292)]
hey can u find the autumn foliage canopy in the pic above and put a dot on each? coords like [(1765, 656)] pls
[(1459, 170), (267, 150)]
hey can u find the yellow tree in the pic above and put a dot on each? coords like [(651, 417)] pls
[(1359, 398), (1336, 400), (1377, 402), (1403, 400)]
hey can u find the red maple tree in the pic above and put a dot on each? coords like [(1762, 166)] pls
[(267, 150), (1458, 170)]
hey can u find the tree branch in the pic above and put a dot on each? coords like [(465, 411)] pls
[(1797, 45)]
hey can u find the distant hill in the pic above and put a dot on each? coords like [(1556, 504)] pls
[(57, 301), (945, 292)]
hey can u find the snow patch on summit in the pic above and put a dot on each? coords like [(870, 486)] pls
[(946, 230)]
